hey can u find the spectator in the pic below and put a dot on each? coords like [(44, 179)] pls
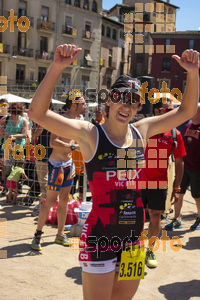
[(60, 178), (157, 154), (99, 114), (12, 181), (16, 127), (191, 175), (43, 137), (3, 113)]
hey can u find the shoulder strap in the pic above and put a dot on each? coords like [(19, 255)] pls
[(174, 137), (7, 118), (6, 121), (94, 122)]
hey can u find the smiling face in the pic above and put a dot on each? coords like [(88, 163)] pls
[(120, 112)]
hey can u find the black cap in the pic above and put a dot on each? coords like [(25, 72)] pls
[(127, 84)]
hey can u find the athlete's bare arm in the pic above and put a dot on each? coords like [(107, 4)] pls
[(152, 126), (81, 131)]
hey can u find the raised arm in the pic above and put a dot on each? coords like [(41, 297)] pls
[(152, 126), (39, 107), (59, 125)]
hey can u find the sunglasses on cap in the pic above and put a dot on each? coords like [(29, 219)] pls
[(3, 104), (125, 98)]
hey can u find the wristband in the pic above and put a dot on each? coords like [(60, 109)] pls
[(73, 147), (178, 189)]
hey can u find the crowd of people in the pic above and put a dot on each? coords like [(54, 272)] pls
[(124, 174)]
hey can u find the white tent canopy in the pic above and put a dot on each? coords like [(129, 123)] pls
[(13, 98), (54, 101)]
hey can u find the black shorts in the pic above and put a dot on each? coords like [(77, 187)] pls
[(79, 178), (154, 198), (191, 178)]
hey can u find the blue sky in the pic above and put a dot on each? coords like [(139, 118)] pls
[(188, 16)]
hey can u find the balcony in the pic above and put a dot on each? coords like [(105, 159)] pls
[(22, 51), (22, 85), (45, 55), (87, 64), (45, 25), (4, 13), (31, 20), (112, 65), (66, 29), (4, 48), (87, 35)]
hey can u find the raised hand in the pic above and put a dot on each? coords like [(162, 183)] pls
[(189, 59), (65, 55)]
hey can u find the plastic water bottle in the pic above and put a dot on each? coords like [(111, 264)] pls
[(67, 227)]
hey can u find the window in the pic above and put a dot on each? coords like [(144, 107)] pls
[(88, 26), (85, 83), (166, 64), (41, 73), (121, 34), (108, 82), (154, 27), (87, 58), (20, 73), (43, 44), (85, 4), (110, 55), (123, 54), (161, 80), (121, 69), (165, 12), (65, 82), (114, 34), (138, 68), (68, 21), (191, 44), (32, 74), (87, 33), (94, 6), (68, 25), (108, 32), (22, 9), (45, 14), (168, 42), (21, 40), (170, 11), (77, 3), (146, 17), (68, 2), (103, 30)]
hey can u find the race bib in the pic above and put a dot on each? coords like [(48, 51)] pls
[(132, 264)]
